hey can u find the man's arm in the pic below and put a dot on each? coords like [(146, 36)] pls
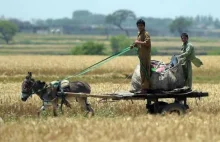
[(140, 42), (147, 39), (189, 49)]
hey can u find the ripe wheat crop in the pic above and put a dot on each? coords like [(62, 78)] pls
[(122, 121)]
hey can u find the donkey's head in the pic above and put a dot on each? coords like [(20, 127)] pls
[(30, 86)]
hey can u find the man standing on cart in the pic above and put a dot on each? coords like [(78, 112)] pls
[(188, 56), (143, 43)]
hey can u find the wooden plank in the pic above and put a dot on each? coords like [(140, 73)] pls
[(132, 96), (180, 95), (84, 95)]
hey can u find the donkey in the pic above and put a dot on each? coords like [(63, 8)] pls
[(49, 93)]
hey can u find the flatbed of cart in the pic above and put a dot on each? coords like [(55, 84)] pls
[(153, 105)]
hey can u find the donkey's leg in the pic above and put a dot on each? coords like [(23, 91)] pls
[(91, 111), (61, 106), (55, 104), (67, 103), (54, 110), (89, 108), (43, 108), (85, 106)]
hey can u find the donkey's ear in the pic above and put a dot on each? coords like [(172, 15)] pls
[(30, 74)]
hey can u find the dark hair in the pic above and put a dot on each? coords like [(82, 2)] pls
[(140, 21), (185, 35)]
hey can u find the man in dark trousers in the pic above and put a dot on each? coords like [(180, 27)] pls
[(143, 43)]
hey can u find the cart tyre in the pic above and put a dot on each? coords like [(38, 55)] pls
[(161, 104), (174, 108)]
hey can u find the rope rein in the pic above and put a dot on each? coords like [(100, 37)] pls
[(96, 65)]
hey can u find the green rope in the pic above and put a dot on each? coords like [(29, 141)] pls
[(94, 66), (99, 63)]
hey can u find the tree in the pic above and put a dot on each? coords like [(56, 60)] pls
[(119, 42), (89, 48), (217, 23), (22, 25), (85, 17), (118, 17), (81, 14), (7, 30), (180, 25)]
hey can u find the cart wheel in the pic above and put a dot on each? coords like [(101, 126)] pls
[(161, 105), (174, 108), (187, 107)]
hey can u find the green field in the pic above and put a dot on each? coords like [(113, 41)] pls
[(62, 44)]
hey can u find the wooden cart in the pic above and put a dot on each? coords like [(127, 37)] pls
[(154, 105)]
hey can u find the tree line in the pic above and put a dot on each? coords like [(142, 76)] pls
[(119, 22)]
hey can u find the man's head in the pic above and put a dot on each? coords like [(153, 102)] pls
[(184, 37), (140, 25)]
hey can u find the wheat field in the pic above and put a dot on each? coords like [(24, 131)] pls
[(113, 121)]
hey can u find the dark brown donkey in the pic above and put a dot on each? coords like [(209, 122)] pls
[(49, 93)]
